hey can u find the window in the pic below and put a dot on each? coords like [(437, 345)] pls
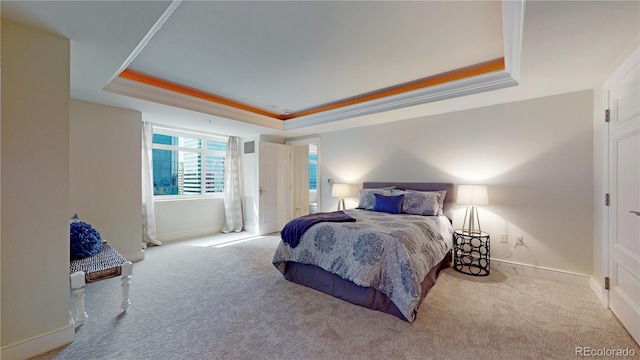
[(187, 163), (313, 167)]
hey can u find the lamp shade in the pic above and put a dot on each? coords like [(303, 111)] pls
[(472, 195), (341, 191)]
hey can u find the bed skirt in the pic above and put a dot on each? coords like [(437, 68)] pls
[(319, 279)]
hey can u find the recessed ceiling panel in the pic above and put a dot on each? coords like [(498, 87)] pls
[(300, 55)]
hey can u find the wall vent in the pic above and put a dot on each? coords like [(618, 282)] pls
[(249, 147)]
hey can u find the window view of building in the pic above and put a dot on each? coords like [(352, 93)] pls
[(313, 167), (166, 168), (214, 158), (178, 165)]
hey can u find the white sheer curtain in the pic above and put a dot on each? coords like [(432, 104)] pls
[(232, 193), (148, 212)]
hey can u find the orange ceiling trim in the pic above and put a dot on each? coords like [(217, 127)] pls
[(167, 85), (478, 69)]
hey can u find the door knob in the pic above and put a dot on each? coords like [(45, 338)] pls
[(261, 190), (635, 212)]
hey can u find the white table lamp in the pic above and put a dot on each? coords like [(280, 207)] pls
[(472, 196)]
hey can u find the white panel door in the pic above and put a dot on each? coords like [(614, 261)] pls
[(273, 188), (267, 188), (624, 183), (300, 183)]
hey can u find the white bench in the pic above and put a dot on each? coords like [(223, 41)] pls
[(106, 264)]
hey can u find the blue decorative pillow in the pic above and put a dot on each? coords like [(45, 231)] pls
[(85, 240), (388, 204)]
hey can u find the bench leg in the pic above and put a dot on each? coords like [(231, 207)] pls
[(126, 282), (77, 288)]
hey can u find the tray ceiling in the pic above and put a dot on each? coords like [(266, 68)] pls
[(316, 61), (300, 55)]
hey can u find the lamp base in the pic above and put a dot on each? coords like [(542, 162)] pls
[(471, 227)]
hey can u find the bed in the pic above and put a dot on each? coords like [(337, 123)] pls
[(383, 261)]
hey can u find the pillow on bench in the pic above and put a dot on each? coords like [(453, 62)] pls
[(85, 240)]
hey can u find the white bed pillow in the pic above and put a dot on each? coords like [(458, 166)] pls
[(427, 203), (367, 197)]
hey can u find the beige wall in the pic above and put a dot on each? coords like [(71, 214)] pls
[(536, 157), (105, 173), (181, 219), (35, 191)]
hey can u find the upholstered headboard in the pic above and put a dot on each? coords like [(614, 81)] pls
[(448, 199)]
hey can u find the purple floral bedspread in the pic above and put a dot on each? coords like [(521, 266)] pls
[(389, 252)]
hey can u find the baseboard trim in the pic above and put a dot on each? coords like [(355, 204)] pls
[(593, 284), (599, 291), (182, 235), (39, 344), (515, 268), (251, 228)]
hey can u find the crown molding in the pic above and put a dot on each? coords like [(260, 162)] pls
[(477, 84), (512, 30), (145, 40), (143, 91)]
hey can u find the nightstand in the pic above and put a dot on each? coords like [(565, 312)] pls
[(471, 252)]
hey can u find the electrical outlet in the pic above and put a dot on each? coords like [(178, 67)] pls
[(503, 238), (519, 240)]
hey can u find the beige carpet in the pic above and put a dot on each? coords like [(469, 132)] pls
[(203, 302)]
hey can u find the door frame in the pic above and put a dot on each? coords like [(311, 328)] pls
[(604, 295), (632, 60), (316, 141)]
